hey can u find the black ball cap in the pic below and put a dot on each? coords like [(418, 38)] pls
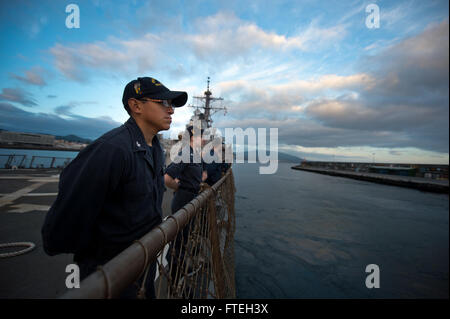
[(153, 89)]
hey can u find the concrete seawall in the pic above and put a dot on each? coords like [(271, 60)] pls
[(40, 147), (423, 184)]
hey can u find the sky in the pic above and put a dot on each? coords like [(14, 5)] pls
[(336, 87)]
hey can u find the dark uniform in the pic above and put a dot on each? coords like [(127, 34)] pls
[(109, 196), (190, 176), (215, 170)]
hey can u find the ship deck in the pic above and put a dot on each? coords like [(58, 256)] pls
[(25, 197)]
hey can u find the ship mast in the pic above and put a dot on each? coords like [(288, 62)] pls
[(207, 107)]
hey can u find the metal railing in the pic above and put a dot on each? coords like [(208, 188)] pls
[(206, 269), (37, 161)]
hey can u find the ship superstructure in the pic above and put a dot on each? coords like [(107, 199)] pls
[(204, 108)]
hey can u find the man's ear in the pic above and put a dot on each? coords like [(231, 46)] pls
[(134, 106)]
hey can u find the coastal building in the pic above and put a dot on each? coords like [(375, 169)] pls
[(69, 145), (401, 171), (7, 137)]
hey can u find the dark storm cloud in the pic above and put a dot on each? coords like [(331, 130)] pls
[(403, 101), (415, 66), (18, 96), (67, 109), (15, 119), (409, 100), (64, 110)]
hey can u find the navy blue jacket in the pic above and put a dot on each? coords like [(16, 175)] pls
[(109, 196), (215, 170), (189, 174)]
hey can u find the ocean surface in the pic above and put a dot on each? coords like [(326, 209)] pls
[(306, 235)]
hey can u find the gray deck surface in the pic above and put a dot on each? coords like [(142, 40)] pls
[(25, 197)]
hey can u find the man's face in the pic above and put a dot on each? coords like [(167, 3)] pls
[(155, 114)]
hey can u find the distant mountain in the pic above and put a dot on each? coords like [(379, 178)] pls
[(74, 138), (68, 138), (282, 157)]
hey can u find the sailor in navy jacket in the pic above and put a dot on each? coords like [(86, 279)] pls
[(111, 194)]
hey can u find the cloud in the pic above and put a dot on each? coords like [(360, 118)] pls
[(316, 85), (67, 109), (33, 28), (414, 66), (341, 113), (395, 153), (124, 56), (329, 82), (291, 96), (398, 100), (17, 95), (405, 125), (222, 37), (15, 119), (64, 110), (395, 97), (32, 76), (390, 18), (225, 37), (312, 134)]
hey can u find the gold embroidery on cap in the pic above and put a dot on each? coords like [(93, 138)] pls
[(156, 83), (137, 88)]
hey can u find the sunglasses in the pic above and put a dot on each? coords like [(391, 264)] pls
[(166, 103)]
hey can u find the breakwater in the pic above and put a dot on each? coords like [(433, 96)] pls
[(423, 184)]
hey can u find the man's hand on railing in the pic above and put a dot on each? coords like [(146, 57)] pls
[(170, 182)]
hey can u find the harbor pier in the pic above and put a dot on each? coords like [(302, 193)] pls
[(420, 183)]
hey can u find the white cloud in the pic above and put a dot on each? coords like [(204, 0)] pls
[(113, 55), (293, 96), (387, 102), (218, 39), (224, 36)]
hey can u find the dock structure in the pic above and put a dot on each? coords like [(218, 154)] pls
[(420, 183)]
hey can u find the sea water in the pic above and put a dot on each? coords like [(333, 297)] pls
[(306, 235)]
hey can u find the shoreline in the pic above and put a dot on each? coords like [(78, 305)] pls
[(40, 148), (422, 184)]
